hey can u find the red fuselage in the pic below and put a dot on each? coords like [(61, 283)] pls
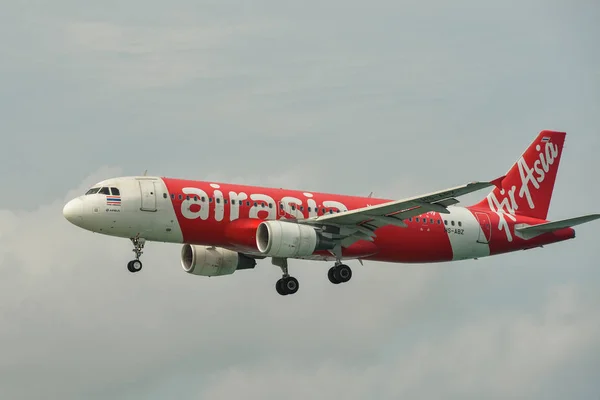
[(227, 216)]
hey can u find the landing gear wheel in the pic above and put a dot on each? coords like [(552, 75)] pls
[(339, 274), (290, 285), (280, 288), (134, 266), (331, 276), (343, 273), (287, 285)]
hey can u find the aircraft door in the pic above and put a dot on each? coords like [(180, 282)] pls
[(148, 195), (485, 233)]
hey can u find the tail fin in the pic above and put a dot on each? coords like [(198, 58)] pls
[(527, 187)]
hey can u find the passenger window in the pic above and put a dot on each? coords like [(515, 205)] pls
[(187, 197), (431, 221), (254, 204), (180, 197), (293, 208), (445, 222), (410, 219), (165, 195), (309, 209), (210, 199), (459, 223), (424, 220), (202, 199), (452, 223), (225, 201), (281, 206), (416, 219), (331, 211), (439, 222), (262, 205), (218, 200), (233, 201), (270, 205), (104, 190), (173, 196), (248, 203)]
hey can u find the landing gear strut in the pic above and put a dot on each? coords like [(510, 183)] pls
[(287, 284), (138, 247)]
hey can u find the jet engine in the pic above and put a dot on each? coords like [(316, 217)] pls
[(213, 261), (289, 239)]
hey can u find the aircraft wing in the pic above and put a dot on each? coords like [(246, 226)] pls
[(364, 221)]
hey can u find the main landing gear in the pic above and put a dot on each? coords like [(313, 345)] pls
[(287, 284), (138, 247), (340, 273)]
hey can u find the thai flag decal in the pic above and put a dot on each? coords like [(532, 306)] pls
[(113, 200)]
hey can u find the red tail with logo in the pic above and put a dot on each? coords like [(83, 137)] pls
[(527, 188)]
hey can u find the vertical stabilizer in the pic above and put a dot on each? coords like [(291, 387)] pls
[(528, 186)]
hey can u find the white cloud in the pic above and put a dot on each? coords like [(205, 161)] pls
[(497, 356)]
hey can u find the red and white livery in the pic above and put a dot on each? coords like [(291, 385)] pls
[(226, 227)]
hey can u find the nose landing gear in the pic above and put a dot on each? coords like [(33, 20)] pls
[(138, 247)]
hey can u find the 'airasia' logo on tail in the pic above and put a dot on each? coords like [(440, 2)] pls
[(507, 205)]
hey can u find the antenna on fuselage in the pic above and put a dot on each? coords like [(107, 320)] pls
[(370, 194), (145, 172)]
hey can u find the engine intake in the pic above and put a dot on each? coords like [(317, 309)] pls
[(289, 239), (213, 261)]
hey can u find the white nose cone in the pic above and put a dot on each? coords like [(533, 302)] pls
[(73, 212)]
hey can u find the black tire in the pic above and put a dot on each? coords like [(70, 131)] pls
[(134, 266), (331, 276), (279, 287), (343, 273), (290, 285)]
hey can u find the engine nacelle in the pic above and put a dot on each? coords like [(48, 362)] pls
[(213, 261), (289, 239)]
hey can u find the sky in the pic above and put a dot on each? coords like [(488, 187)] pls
[(392, 97)]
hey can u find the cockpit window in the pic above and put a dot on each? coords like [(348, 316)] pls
[(104, 190), (114, 191), (92, 191)]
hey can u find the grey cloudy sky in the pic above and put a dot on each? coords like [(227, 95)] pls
[(393, 97)]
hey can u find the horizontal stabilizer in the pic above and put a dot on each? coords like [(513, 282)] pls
[(531, 231)]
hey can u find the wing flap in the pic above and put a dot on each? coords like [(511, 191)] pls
[(531, 231)]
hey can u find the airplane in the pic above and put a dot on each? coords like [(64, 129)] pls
[(227, 227)]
